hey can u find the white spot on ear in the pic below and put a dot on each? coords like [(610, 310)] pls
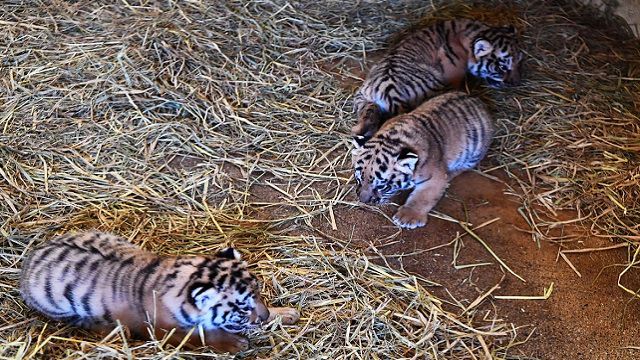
[(358, 146), (481, 48), (358, 141), (230, 253)]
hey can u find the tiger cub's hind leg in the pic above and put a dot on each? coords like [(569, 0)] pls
[(289, 315), (423, 198), (370, 118)]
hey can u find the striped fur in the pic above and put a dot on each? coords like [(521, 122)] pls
[(422, 151), (93, 279), (431, 60)]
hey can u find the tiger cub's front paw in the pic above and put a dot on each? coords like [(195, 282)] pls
[(238, 345), (226, 342), (289, 315), (409, 218)]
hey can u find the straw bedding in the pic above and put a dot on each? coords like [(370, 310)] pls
[(191, 125)]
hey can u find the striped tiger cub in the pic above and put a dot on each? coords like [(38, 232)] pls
[(422, 150), (431, 60), (93, 279)]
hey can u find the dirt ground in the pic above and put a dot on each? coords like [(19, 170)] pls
[(586, 317)]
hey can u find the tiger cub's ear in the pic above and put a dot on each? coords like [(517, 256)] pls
[(230, 253), (481, 47), (510, 29), (407, 161), (358, 141)]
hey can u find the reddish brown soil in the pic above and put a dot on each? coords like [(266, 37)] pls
[(585, 318)]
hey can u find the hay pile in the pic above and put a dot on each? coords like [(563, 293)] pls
[(191, 125)]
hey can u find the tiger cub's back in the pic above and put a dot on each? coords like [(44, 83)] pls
[(93, 279), (422, 151), (85, 279), (455, 125), (431, 60)]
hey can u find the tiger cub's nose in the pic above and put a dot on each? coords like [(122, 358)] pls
[(365, 196), (264, 316)]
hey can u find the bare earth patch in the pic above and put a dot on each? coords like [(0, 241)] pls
[(585, 317)]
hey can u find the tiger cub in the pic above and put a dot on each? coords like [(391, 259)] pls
[(429, 61), (93, 279), (422, 150)]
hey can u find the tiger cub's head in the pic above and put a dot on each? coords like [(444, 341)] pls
[(227, 294), (496, 56), (382, 168)]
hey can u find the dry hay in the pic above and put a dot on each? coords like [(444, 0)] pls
[(188, 126)]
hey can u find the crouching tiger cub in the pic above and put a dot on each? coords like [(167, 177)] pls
[(422, 150), (430, 60), (93, 279)]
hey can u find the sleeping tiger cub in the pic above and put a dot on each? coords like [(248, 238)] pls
[(430, 60), (93, 279), (422, 150)]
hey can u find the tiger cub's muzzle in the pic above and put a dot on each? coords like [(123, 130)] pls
[(260, 313), (369, 197)]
